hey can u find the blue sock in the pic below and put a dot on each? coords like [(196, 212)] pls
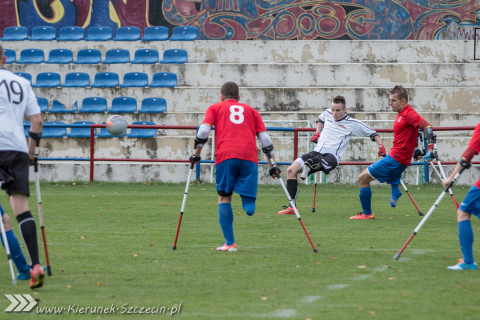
[(225, 217), (16, 252), (396, 194), (366, 200), (465, 235), (248, 204)]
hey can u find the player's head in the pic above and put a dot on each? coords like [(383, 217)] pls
[(230, 91), (398, 98), (3, 58), (339, 108)]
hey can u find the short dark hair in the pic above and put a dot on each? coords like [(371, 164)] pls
[(401, 92), (230, 90), (340, 99)]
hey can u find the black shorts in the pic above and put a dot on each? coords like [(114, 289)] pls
[(14, 166), (327, 161)]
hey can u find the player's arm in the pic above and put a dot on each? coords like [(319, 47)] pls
[(318, 131), (200, 140), (35, 133), (382, 152), (267, 148), (429, 137)]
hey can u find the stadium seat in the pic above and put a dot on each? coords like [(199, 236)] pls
[(164, 79), (43, 33), (88, 56), (26, 75), (186, 33), (71, 33), (58, 107), (15, 33), (94, 105), (106, 80), (155, 33), (31, 56), (43, 104), (123, 105), (175, 56), (81, 132), (26, 127), (105, 134), (11, 55), (47, 80), (54, 132), (153, 105), (127, 33), (77, 80), (60, 56), (135, 79), (146, 56), (99, 34), (117, 56), (143, 133)]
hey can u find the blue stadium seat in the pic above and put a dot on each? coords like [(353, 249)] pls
[(55, 131), (123, 105), (143, 133), (155, 33), (146, 56), (47, 80), (135, 79), (60, 56), (43, 33), (186, 33), (175, 56), (31, 56), (71, 33), (58, 107), (81, 132), (26, 127), (117, 56), (153, 105), (94, 105), (26, 75), (77, 80), (164, 79), (127, 33), (99, 34), (106, 80), (105, 134), (15, 33), (88, 56), (11, 55), (43, 104)]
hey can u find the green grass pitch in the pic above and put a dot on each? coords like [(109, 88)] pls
[(110, 245)]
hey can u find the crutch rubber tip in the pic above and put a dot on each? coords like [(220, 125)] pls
[(174, 248), (420, 213), (313, 209), (315, 250), (396, 257), (49, 271)]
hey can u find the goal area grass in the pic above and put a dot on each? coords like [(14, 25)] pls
[(110, 245)]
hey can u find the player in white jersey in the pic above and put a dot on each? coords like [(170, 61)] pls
[(334, 129), (18, 100)]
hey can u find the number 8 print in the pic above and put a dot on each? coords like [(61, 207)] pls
[(236, 114)]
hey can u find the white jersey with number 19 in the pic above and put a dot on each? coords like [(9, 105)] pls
[(336, 134), (17, 100)]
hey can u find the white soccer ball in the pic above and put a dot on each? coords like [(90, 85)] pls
[(116, 125)]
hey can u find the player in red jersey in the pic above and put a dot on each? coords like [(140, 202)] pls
[(390, 169), (470, 205), (236, 157)]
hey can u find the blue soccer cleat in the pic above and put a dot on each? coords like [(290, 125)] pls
[(463, 266)]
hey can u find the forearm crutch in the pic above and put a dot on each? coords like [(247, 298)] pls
[(292, 204), (420, 213), (183, 205), (314, 192), (442, 176), (39, 206), (7, 249), (424, 219)]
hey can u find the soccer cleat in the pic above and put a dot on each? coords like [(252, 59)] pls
[(37, 277), (226, 247), (363, 216), (286, 210), (463, 266)]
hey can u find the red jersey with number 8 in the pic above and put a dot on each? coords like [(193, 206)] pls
[(236, 127)]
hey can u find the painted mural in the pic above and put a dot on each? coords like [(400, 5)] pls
[(258, 19)]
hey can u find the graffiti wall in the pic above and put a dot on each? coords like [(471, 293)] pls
[(259, 19)]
